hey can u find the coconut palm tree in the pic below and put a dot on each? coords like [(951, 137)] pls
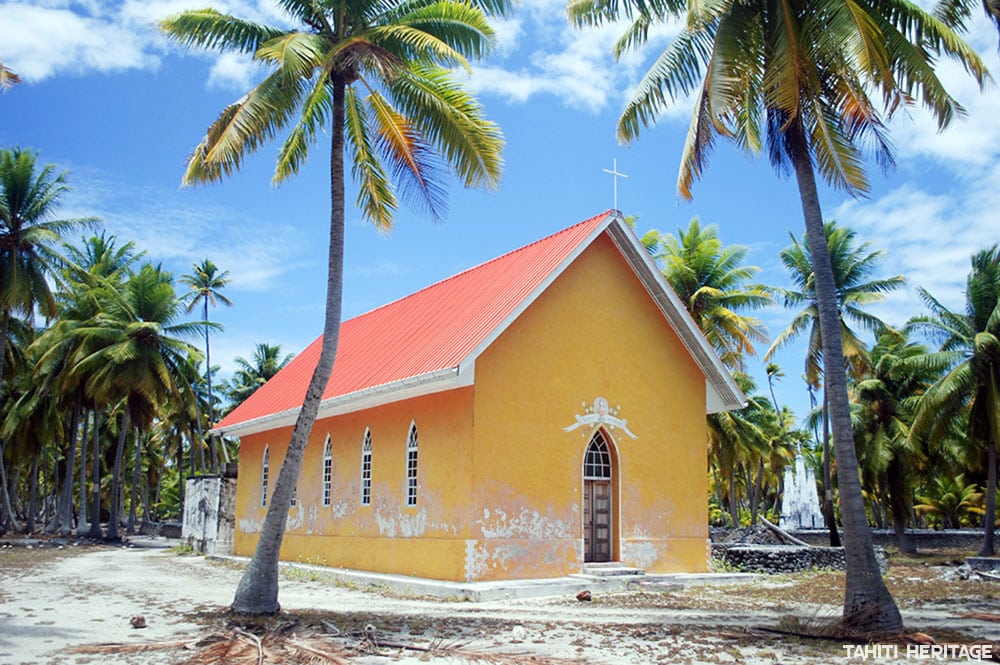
[(252, 374), (206, 283), (715, 286), (28, 238), (853, 268), (376, 74), (970, 388), (807, 79), (135, 354), (886, 398)]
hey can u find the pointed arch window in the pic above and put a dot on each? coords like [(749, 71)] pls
[(597, 461), (264, 472), (411, 466), (327, 471), (366, 468)]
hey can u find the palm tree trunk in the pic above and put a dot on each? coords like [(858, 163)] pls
[(133, 493), (180, 475), (734, 509), (95, 520), (4, 330), (896, 482), (868, 604), (116, 475), (990, 518), (82, 522), (64, 519), (29, 524), (8, 510), (257, 592), (829, 516)]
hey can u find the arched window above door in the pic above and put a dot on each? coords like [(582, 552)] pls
[(597, 460)]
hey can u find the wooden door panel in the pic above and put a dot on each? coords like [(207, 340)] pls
[(597, 520)]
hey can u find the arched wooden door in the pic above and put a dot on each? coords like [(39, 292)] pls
[(598, 500)]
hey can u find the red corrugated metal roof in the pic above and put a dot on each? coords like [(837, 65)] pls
[(433, 329)]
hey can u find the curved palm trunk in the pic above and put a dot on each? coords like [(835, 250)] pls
[(64, 516), (116, 484), (257, 592), (868, 604)]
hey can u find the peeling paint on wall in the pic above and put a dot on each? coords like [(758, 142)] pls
[(392, 524), (528, 524), (250, 525), (641, 554)]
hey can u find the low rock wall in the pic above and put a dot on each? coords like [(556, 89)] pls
[(969, 539), (784, 558)]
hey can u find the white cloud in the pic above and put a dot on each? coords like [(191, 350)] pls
[(233, 71), (52, 37), (928, 238), (180, 231), (39, 41)]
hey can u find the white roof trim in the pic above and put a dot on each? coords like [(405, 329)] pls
[(414, 386)]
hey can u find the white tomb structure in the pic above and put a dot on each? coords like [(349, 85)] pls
[(800, 502)]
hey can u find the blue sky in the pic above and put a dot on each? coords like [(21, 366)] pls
[(108, 99)]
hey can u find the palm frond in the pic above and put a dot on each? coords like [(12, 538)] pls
[(210, 29)]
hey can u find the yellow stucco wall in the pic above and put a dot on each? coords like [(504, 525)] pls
[(594, 332), (426, 540), (499, 480)]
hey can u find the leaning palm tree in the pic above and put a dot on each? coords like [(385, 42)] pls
[(205, 284), (715, 285), (807, 79), (376, 74), (970, 352), (28, 238)]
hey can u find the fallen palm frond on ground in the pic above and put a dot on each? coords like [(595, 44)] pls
[(287, 641)]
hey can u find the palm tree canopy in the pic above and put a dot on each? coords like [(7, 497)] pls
[(854, 266), (205, 284), (405, 112), (28, 233), (755, 68), (135, 348), (714, 285), (970, 355), (252, 374)]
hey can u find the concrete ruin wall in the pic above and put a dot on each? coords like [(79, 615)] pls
[(209, 514)]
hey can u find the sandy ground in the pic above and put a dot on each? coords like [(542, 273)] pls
[(88, 595)]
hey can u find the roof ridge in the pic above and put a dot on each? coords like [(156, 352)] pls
[(479, 266)]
